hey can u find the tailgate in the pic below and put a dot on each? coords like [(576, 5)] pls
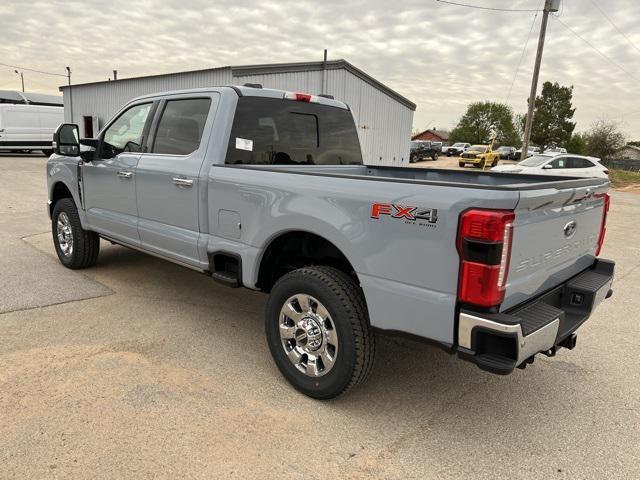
[(555, 237)]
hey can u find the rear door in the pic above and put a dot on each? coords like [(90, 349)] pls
[(167, 177)]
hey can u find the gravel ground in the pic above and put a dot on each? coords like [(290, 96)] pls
[(138, 368)]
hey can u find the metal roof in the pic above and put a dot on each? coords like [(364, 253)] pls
[(279, 68), (27, 97)]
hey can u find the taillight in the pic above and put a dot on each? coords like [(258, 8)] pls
[(300, 97), (603, 226), (484, 244)]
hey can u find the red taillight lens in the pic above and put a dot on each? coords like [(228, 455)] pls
[(484, 245), (603, 225), (300, 97)]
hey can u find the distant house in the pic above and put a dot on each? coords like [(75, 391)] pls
[(628, 152), (433, 136)]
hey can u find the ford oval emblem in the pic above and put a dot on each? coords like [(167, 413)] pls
[(570, 229)]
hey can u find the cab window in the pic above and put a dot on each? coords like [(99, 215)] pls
[(181, 125), (125, 134)]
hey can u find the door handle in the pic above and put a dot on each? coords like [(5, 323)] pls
[(183, 182), (124, 174)]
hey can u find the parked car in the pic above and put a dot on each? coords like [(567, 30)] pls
[(233, 182), (421, 150), (530, 150), (506, 153), (479, 156), (456, 149), (558, 164), (28, 127)]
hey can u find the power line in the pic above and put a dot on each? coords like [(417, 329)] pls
[(524, 49), (488, 8), (32, 70), (615, 26), (597, 50)]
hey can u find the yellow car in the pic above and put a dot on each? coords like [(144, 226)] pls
[(479, 156)]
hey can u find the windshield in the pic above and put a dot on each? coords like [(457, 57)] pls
[(458, 144), (534, 161), (479, 148)]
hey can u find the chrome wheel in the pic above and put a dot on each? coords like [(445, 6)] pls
[(308, 335), (65, 234)]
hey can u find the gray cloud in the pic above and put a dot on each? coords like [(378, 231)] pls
[(440, 56)]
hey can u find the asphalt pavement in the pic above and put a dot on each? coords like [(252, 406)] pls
[(138, 368)]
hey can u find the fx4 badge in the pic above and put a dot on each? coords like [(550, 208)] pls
[(422, 216)]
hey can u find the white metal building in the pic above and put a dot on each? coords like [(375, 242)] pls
[(384, 117)]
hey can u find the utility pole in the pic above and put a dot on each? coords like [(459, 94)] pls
[(70, 95), (21, 78), (549, 6)]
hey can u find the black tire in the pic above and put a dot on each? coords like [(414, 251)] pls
[(47, 153), (448, 153), (435, 157), (344, 300), (85, 244)]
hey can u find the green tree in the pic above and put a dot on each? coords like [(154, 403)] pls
[(482, 120), (552, 116), (577, 144), (603, 138)]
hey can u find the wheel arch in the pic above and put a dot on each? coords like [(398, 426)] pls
[(287, 250)]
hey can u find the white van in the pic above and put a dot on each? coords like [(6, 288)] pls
[(28, 127)]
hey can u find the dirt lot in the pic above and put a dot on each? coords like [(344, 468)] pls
[(138, 368)]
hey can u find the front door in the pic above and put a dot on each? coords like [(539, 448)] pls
[(167, 178), (109, 180)]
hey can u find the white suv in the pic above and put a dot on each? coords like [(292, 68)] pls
[(558, 164)]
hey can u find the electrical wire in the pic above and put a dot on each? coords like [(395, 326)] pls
[(610, 60), (524, 49), (488, 8), (32, 70), (614, 25)]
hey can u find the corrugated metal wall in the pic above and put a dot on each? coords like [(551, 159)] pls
[(384, 124)]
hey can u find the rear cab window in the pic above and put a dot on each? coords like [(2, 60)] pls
[(274, 131)]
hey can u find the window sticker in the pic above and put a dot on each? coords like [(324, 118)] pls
[(244, 144)]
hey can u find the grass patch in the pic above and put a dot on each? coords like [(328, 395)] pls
[(624, 178)]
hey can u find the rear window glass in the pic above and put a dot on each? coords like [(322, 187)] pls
[(181, 125), (272, 131)]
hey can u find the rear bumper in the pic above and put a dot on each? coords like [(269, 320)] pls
[(499, 342)]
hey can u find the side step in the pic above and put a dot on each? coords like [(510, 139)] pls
[(226, 268), (230, 279)]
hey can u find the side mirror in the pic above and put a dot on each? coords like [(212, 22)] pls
[(547, 166), (66, 140), (88, 147)]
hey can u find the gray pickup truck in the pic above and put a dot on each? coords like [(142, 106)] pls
[(267, 190)]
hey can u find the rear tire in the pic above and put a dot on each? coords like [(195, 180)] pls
[(76, 248), (320, 305)]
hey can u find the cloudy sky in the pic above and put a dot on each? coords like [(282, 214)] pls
[(440, 56)]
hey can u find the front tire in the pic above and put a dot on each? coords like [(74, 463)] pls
[(461, 164), (318, 331), (76, 248), (47, 153)]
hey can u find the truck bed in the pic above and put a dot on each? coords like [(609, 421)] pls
[(437, 176)]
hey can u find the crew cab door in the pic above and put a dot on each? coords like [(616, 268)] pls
[(109, 180), (167, 177)]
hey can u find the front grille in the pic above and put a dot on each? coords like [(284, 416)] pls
[(468, 155)]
